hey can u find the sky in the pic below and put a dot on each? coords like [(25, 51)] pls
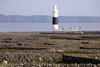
[(45, 7)]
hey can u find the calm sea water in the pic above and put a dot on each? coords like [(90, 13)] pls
[(37, 27)]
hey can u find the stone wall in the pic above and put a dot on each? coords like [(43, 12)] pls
[(48, 59), (30, 57), (80, 60)]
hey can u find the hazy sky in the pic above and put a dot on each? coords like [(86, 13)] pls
[(45, 7)]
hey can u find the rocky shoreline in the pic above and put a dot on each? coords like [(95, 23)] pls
[(34, 48)]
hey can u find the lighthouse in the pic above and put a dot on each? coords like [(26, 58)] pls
[(55, 18)]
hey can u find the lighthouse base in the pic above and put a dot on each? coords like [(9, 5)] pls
[(55, 26)]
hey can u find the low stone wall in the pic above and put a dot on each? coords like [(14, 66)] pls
[(46, 59), (30, 57), (49, 57), (86, 59)]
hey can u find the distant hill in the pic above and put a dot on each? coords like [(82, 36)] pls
[(47, 19)]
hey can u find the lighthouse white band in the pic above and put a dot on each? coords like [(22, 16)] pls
[(55, 11), (55, 26), (55, 14)]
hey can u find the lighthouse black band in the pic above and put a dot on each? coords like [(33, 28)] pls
[(55, 20)]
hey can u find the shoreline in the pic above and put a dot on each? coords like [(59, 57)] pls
[(48, 47), (54, 32)]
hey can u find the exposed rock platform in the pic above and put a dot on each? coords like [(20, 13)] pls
[(41, 47)]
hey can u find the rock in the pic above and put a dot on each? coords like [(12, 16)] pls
[(21, 64), (40, 58), (9, 39), (26, 44), (52, 50), (19, 44), (5, 62), (85, 42), (96, 57), (15, 41), (49, 44), (6, 41), (60, 50), (82, 48), (94, 65)]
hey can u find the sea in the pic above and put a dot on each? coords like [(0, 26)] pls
[(47, 27)]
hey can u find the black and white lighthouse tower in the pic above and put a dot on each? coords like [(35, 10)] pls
[(55, 18)]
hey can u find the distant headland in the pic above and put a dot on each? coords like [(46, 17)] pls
[(47, 19)]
